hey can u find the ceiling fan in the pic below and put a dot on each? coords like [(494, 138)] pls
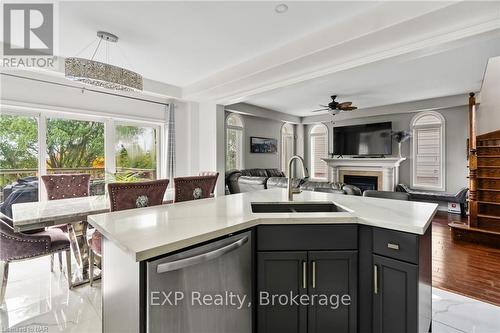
[(335, 107)]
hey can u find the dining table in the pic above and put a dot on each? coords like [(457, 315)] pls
[(72, 213)]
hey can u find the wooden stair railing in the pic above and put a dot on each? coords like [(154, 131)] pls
[(472, 162), (484, 185)]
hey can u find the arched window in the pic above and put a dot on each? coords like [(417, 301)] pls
[(234, 142), (319, 150), (287, 145), (428, 151)]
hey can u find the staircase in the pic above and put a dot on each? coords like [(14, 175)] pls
[(488, 181), (484, 186)]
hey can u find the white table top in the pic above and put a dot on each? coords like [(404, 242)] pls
[(33, 215), (40, 214), (148, 232)]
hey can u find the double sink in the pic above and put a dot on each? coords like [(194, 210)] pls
[(296, 207)]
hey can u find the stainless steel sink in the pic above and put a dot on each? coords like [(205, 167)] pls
[(296, 207)]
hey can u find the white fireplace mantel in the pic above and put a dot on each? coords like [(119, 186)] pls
[(387, 166)]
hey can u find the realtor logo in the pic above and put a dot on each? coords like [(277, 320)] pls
[(28, 29)]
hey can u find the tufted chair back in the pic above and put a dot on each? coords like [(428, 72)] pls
[(213, 174), (65, 186), (193, 188), (136, 195)]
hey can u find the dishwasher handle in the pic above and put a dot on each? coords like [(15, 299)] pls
[(200, 258)]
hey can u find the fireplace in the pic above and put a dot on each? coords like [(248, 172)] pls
[(363, 182), (385, 169)]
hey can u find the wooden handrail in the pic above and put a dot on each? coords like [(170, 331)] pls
[(472, 162)]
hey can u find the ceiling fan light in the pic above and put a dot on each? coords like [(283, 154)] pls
[(281, 8)]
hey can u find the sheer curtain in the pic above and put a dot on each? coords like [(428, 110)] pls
[(170, 109)]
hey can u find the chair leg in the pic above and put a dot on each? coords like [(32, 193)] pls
[(91, 267), (52, 263), (69, 274), (4, 270), (60, 261)]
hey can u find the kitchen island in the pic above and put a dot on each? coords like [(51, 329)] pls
[(376, 251)]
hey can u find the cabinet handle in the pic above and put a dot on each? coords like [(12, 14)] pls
[(393, 246), (375, 279), (314, 274), (304, 274)]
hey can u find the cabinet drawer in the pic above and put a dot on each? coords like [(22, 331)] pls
[(396, 244), (307, 237)]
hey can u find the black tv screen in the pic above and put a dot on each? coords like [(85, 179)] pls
[(368, 139)]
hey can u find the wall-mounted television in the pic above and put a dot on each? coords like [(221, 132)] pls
[(263, 145), (363, 140)]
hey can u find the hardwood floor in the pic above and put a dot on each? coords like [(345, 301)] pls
[(465, 268)]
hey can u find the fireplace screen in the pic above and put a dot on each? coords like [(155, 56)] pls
[(363, 182)]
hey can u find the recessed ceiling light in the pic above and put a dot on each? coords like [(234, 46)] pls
[(281, 8)]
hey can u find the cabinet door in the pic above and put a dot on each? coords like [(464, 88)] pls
[(281, 273), (334, 274), (394, 296)]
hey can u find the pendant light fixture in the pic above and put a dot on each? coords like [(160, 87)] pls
[(102, 74)]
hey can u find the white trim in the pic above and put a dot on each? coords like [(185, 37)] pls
[(442, 134), (42, 156), (237, 128), (283, 163), (62, 112), (311, 157)]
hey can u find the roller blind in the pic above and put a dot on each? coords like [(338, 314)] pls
[(428, 157), (319, 150)]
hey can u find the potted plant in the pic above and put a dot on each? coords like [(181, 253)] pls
[(400, 137)]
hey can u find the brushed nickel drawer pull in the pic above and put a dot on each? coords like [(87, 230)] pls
[(375, 279), (314, 274), (304, 274), (393, 246)]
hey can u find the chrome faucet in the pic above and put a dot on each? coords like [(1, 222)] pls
[(291, 191)]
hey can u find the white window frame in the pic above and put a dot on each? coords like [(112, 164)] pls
[(41, 114), (237, 128), (311, 155), (442, 139), (283, 161)]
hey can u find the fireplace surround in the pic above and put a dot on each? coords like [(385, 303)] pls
[(385, 169)]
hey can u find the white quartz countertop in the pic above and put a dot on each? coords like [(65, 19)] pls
[(148, 232)]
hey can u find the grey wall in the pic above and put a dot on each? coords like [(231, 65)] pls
[(456, 136), (262, 127)]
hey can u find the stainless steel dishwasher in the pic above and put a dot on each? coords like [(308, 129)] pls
[(204, 277)]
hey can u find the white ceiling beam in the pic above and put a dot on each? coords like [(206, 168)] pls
[(438, 103), (388, 30), (257, 111)]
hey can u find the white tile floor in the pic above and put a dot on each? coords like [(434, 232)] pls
[(40, 300)]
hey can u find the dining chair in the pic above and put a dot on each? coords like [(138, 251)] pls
[(17, 246), (124, 196), (214, 174), (193, 188), (387, 195), (66, 186)]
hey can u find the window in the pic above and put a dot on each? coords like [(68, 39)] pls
[(428, 151), (18, 160), (319, 150), (76, 146), (135, 152), (287, 145), (234, 142), (40, 142)]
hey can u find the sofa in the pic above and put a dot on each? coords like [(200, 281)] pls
[(460, 197), (239, 181)]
